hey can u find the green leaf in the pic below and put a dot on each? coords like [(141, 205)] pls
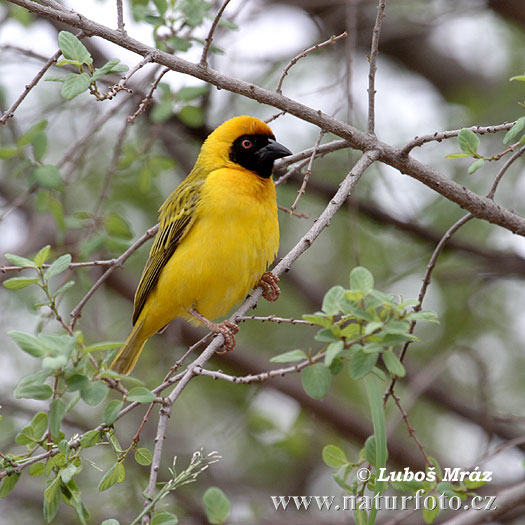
[(332, 300), (109, 68), (457, 156), (520, 78), (473, 485), (94, 392), (476, 165), (333, 456), (52, 497), (513, 132), (90, 438), (55, 79), (8, 153), (216, 505), (325, 335), (8, 484), (320, 320), (54, 363), (74, 84), (110, 345), (110, 521), (179, 44), (57, 411), (30, 390), (375, 400), (28, 136), (66, 474), (446, 488), (361, 517), (47, 176), (33, 433), (28, 343), (160, 113), (76, 382), (111, 411), (393, 364), (116, 474), (64, 288), (430, 515), (316, 380), (332, 351), (22, 262), (37, 469), (163, 517), (468, 141), (192, 116), (361, 363), (422, 316), (371, 450), (39, 143), (361, 279), (161, 5), (228, 24), (289, 357), (73, 49), (141, 394), (60, 265), (188, 93), (42, 255), (116, 225), (17, 283), (143, 457)]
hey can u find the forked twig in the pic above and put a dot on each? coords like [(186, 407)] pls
[(302, 54)]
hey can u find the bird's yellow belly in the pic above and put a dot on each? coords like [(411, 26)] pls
[(233, 240)]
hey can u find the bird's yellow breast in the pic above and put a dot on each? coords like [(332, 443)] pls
[(234, 238)]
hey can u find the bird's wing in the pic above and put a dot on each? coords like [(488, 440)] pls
[(177, 216)]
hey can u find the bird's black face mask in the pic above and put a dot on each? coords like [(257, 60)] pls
[(257, 153)]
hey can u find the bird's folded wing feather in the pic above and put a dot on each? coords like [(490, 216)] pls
[(177, 216)]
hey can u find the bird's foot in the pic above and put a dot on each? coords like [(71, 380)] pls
[(227, 329), (269, 283)]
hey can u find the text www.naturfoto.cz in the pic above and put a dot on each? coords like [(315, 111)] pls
[(381, 502)]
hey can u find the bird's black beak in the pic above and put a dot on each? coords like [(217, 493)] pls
[(272, 151)]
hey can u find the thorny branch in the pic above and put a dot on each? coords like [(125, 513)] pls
[(207, 43), (376, 32)]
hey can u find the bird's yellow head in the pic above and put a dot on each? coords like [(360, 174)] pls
[(243, 141)]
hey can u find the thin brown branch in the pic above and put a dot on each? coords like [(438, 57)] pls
[(207, 43), (147, 99), (307, 173), (444, 135), (120, 17), (10, 113), (374, 50), (410, 428), (503, 170), (273, 319), (77, 311), (304, 53)]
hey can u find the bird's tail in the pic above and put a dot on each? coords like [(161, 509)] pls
[(128, 355)]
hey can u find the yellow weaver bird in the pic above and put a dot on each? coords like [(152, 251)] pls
[(218, 234)]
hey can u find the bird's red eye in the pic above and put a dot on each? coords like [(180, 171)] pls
[(246, 144)]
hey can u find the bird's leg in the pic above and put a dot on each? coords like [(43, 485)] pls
[(270, 287), (226, 328)]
